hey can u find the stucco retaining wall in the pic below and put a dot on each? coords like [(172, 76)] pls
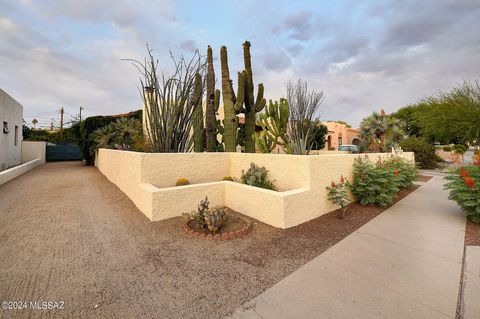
[(149, 179), (32, 150), (18, 170)]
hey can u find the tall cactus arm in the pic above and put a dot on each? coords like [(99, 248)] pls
[(260, 102), (196, 102), (212, 105), (216, 103), (241, 94), (231, 105)]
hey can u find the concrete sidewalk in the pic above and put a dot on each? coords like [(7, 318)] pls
[(406, 263)]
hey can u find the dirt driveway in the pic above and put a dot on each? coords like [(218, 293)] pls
[(68, 235)]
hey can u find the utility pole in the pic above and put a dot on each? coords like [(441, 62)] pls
[(81, 108), (61, 124)]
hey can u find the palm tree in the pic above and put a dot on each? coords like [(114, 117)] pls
[(380, 131), (124, 133), (34, 122)]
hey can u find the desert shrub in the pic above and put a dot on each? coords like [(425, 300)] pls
[(463, 185), (123, 134), (373, 184), (439, 159), (90, 124), (228, 178), (447, 148), (257, 176), (182, 182), (424, 151), (210, 219), (460, 149), (338, 194), (404, 171)]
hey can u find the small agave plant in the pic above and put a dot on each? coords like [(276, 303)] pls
[(211, 219)]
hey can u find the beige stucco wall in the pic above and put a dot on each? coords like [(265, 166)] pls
[(11, 113), (164, 169), (148, 180), (32, 150)]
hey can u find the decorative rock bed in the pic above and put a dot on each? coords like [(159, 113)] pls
[(190, 230)]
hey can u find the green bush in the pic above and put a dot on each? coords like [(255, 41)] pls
[(90, 124), (257, 176), (404, 171), (424, 151), (463, 185), (373, 184), (337, 194), (460, 149), (378, 183), (447, 148)]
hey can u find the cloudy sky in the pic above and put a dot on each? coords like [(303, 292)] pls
[(365, 55)]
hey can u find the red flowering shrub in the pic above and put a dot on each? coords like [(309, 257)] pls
[(463, 185), (338, 194)]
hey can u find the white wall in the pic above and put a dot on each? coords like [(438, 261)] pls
[(33, 150), (11, 112)]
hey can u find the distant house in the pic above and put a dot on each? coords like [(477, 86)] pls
[(11, 119), (339, 134)]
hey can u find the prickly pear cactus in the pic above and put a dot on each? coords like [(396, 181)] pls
[(215, 219)]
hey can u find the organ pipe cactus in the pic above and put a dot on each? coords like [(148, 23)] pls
[(213, 101), (232, 105), (198, 132), (252, 106), (274, 124)]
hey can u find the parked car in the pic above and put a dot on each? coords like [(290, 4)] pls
[(349, 147)]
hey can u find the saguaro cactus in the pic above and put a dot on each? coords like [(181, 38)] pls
[(232, 105), (196, 102), (213, 98), (252, 106), (274, 124)]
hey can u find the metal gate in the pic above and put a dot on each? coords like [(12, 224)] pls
[(63, 152)]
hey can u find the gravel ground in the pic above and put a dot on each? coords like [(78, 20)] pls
[(70, 235), (472, 234)]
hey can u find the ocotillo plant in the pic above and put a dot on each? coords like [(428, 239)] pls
[(252, 106), (213, 99), (168, 118), (198, 132), (232, 105), (274, 124)]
